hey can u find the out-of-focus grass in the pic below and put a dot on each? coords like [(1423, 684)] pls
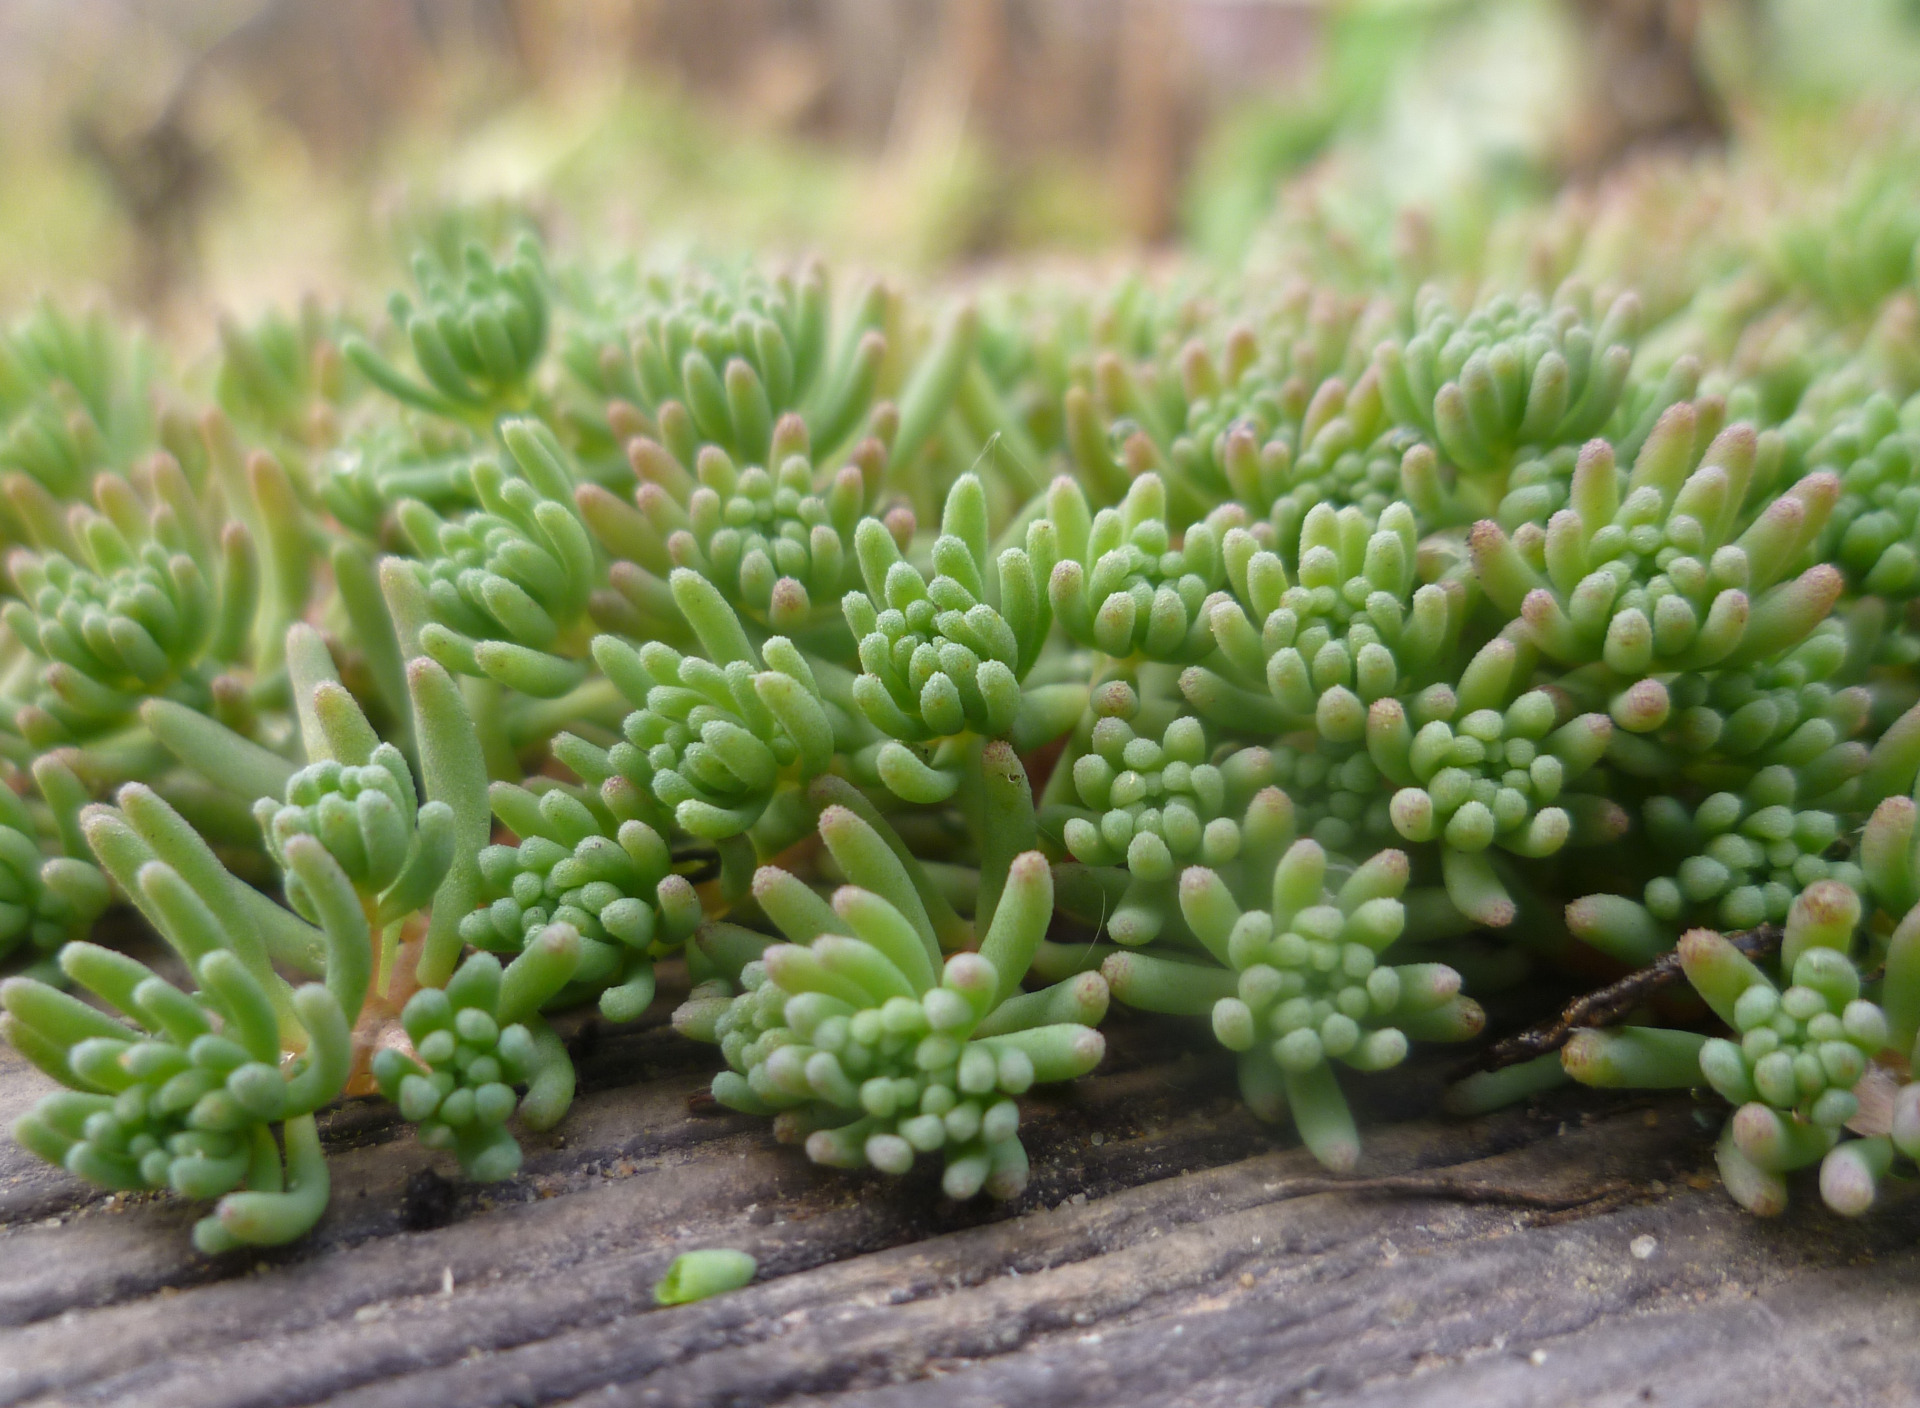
[(616, 163), (1443, 123), (58, 227), (1468, 125)]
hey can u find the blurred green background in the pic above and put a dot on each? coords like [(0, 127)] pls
[(190, 157)]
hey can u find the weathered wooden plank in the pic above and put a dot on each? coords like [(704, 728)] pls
[(1170, 1250)]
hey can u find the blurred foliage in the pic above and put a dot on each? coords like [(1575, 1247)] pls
[(1477, 119), (611, 157), (145, 155)]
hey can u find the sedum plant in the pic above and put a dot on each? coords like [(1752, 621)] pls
[(1798, 1046), (179, 1088), (473, 1042), (476, 335), (73, 401), (1297, 986), (880, 681), (618, 894), (871, 1045), (46, 900)]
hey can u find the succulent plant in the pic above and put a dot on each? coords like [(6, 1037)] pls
[(73, 402), (938, 662), (915, 672), (476, 336), (617, 893), (776, 541), (873, 1047), (46, 900), (1298, 985), (1120, 586), (715, 740), (501, 593), (181, 1089), (473, 1042), (712, 362), (1746, 859), (138, 594), (286, 375), (1510, 374), (1796, 1054)]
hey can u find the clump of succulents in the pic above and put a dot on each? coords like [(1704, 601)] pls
[(46, 899), (617, 892), (476, 335), (886, 683), (1491, 391), (473, 1042), (1798, 1046), (872, 1044), (1298, 985), (180, 1087), (73, 401)]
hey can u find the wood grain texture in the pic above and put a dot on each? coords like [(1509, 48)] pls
[(1169, 1251)]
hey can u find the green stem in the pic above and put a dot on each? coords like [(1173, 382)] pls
[(1486, 1091)]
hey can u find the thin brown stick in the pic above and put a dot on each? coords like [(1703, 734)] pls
[(1610, 1004)]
